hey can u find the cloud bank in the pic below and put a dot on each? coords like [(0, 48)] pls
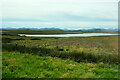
[(64, 12)]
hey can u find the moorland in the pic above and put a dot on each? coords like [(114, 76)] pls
[(59, 57)]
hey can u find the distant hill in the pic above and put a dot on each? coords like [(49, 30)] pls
[(92, 29), (98, 29)]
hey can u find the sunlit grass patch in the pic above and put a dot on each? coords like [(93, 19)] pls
[(16, 65)]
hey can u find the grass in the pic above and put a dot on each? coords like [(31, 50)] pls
[(15, 32), (89, 49), (73, 57), (107, 44), (16, 65)]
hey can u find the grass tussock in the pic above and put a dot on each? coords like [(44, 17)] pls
[(16, 65), (73, 55)]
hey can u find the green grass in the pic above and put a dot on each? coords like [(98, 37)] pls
[(73, 57), (16, 65)]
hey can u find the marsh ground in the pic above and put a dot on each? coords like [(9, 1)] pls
[(100, 53)]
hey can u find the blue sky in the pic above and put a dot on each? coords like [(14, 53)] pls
[(68, 14)]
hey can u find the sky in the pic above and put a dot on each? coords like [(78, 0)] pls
[(64, 14)]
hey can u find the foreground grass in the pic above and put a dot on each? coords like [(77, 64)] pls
[(16, 65)]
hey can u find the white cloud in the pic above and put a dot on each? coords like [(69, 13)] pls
[(53, 11)]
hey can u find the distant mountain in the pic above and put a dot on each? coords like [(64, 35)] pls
[(92, 29), (50, 29), (99, 29), (34, 28)]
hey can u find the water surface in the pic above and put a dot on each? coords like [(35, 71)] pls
[(68, 35)]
